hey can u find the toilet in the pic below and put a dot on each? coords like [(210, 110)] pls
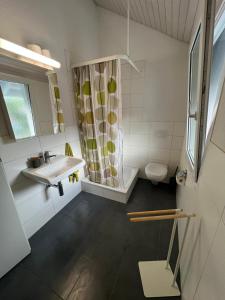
[(156, 172)]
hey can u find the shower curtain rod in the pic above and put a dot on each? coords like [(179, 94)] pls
[(107, 58)]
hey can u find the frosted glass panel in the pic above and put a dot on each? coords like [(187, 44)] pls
[(193, 98), (216, 79), (18, 108)]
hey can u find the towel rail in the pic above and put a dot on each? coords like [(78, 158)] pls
[(151, 271), (154, 212), (161, 217)]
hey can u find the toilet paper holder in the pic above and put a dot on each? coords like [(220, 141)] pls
[(181, 177)]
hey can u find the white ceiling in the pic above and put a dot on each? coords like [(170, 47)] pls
[(172, 17)]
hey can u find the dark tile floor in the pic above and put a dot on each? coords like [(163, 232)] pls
[(89, 251)]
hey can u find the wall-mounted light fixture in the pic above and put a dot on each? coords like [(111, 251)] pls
[(17, 50)]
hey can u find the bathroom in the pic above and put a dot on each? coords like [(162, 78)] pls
[(80, 243)]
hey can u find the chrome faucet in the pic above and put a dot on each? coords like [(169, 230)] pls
[(47, 157)]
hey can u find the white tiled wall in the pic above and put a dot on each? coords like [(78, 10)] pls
[(203, 264), (35, 204), (154, 100), (149, 137), (61, 29)]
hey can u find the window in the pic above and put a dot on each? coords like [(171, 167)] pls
[(17, 107), (217, 75), (199, 106)]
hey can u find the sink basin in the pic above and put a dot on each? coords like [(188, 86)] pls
[(58, 169)]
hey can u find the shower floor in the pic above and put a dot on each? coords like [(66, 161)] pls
[(89, 250)]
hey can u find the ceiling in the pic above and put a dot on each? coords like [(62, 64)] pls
[(172, 17)]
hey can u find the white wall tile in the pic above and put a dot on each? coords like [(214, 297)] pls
[(126, 127), (125, 86), (160, 142), (11, 150), (211, 285), (142, 128), (38, 220), (137, 86), (179, 128), (58, 150), (126, 114), (158, 155), (152, 125), (31, 205), (26, 189), (162, 129), (142, 140), (125, 71), (71, 133), (177, 142), (212, 176), (135, 157), (13, 170), (206, 198), (126, 100), (175, 157), (50, 141), (137, 114), (137, 100)]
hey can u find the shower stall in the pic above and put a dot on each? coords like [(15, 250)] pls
[(99, 113)]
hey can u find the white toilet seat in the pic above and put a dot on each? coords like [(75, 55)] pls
[(156, 171)]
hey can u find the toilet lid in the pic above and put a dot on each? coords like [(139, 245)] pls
[(156, 169)]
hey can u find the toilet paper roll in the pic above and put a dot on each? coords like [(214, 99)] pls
[(34, 47), (181, 177), (46, 52)]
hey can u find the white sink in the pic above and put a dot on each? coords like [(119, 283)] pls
[(58, 169)]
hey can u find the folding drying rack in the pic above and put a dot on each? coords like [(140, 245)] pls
[(157, 278)]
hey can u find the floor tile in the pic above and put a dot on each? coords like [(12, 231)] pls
[(90, 250), (21, 284)]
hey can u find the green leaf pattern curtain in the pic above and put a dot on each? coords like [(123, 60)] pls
[(56, 103), (98, 102)]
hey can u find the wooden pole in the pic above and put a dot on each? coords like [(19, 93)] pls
[(154, 212), (161, 217)]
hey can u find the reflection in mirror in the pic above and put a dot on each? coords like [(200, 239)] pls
[(193, 100), (16, 104), (30, 101), (57, 112)]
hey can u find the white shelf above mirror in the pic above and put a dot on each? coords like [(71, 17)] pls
[(22, 54)]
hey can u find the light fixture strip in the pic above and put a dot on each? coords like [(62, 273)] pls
[(22, 51)]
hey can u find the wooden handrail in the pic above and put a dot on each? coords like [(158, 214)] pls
[(162, 217), (154, 212)]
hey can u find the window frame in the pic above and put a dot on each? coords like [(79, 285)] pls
[(219, 27), (193, 164), (204, 71), (197, 37)]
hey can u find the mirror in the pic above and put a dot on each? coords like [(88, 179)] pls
[(30, 101), (17, 108), (193, 100)]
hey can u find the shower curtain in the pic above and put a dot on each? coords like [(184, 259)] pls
[(98, 102)]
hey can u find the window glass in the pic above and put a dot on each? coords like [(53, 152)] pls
[(17, 102), (216, 78)]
